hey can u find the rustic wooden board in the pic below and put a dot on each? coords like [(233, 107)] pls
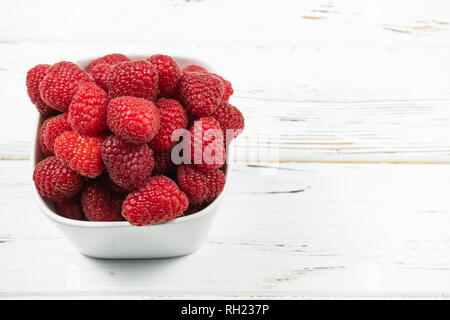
[(342, 88), (327, 230), (341, 180)]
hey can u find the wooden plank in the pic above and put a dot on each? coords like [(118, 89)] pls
[(302, 230), (334, 121), (348, 87), (324, 86)]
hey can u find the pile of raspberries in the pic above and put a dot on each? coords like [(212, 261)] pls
[(107, 140)]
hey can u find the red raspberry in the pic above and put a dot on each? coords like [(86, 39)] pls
[(157, 200), (135, 120), (56, 181), (163, 163), (173, 117), (128, 165), (169, 74), (227, 84), (200, 93), (207, 144), (109, 59), (194, 68), (45, 150), (100, 68), (80, 152), (34, 78), (101, 204), (231, 119), (87, 112), (100, 74), (60, 84), (200, 186), (51, 129), (71, 208), (133, 78)]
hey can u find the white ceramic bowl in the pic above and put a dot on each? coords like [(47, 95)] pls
[(120, 240)]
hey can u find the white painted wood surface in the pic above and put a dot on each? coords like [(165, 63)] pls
[(354, 97)]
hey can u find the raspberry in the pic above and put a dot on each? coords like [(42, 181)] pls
[(51, 129), (135, 120), (128, 165), (200, 93), (87, 112), (157, 200), (70, 208), (60, 84), (169, 74), (228, 89), (163, 162), (207, 144), (173, 117), (230, 118), (56, 181), (100, 74), (200, 186), (45, 150), (100, 68), (34, 78), (194, 68), (101, 204), (133, 78), (81, 152), (109, 59)]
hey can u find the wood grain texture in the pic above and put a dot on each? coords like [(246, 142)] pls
[(340, 186), (343, 88), (352, 230)]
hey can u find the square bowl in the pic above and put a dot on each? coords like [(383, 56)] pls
[(121, 240)]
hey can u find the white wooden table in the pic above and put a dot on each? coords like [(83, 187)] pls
[(352, 199)]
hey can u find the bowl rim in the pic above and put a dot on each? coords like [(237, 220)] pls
[(50, 214)]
